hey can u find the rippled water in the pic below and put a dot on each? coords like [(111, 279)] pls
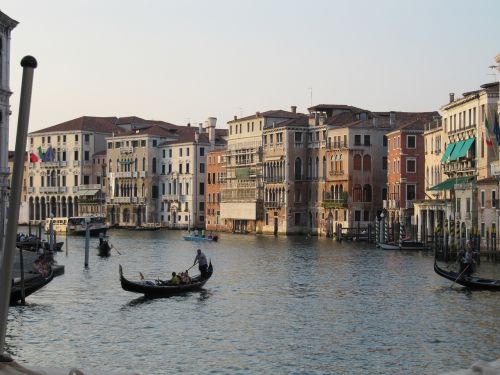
[(273, 305)]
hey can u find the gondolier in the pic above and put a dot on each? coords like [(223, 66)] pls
[(201, 259)]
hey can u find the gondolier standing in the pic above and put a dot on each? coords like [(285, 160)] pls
[(201, 259)]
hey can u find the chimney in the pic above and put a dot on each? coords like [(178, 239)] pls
[(316, 118), (211, 123), (200, 128), (189, 125), (452, 97), (257, 114), (294, 109), (392, 118), (235, 117)]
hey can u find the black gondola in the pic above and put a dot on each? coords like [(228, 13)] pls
[(31, 285), (471, 282), (104, 248), (158, 288)]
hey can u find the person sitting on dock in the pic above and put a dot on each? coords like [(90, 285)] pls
[(175, 279)]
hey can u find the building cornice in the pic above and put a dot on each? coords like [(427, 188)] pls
[(7, 22)]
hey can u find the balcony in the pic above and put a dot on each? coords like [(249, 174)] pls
[(468, 216), (75, 189), (126, 150), (336, 172), (123, 174), (274, 180), (143, 174), (76, 163), (63, 189), (49, 189), (135, 174), (273, 204), (409, 204), (90, 187), (336, 145), (457, 215), (394, 204), (332, 200), (31, 190), (52, 164), (122, 200)]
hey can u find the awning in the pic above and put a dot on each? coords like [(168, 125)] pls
[(87, 192), (465, 148), (457, 150), (447, 152), (450, 183)]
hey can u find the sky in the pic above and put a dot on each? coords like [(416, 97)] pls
[(184, 61)]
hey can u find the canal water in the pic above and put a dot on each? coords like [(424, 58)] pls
[(274, 305)]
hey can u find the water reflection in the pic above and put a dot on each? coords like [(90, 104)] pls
[(273, 305)]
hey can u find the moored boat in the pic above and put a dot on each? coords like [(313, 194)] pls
[(59, 224), (388, 246), (193, 237), (471, 282), (413, 245), (31, 285), (159, 288)]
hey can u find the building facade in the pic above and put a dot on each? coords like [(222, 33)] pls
[(61, 162), (214, 180)]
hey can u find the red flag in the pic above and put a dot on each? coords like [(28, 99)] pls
[(488, 132), (33, 158)]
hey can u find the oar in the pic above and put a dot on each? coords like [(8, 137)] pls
[(191, 267), (113, 246), (461, 273)]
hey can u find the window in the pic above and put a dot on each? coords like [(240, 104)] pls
[(384, 163), (298, 168), (384, 141), (86, 179), (76, 137), (180, 152), (298, 197), (155, 142), (357, 162), (297, 218), (367, 140), (163, 169), (86, 155), (48, 139), (63, 180), (483, 198), (298, 138), (86, 138), (367, 163), (76, 180), (202, 167), (411, 165), (76, 155), (202, 188), (482, 230), (170, 153), (143, 143), (43, 140), (187, 166), (170, 168), (110, 145), (366, 215), (154, 165), (143, 164), (154, 191), (202, 206), (187, 151), (411, 192), (411, 141), (180, 168), (357, 140), (357, 215), (467, 205), (202, 151), (493, 198)]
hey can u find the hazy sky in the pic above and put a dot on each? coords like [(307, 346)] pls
[(181, 61)]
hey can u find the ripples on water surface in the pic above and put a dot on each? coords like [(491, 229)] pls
[(273, 305)]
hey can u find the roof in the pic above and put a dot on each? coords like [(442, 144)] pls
[(382, 120), (84, 123), (488, 180), (6, 21), (103, 152), (303, 120), (272, 113), (341, 107)]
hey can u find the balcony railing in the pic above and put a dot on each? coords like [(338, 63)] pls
[(143, 174), (126, 150), (273, 204), (31, 190), (409, 204), (123, 174), (49, 189), (89, 187), (63, 189), (53, 164), (333, 200), (122, 200)]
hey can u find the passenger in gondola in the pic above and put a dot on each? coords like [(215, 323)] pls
[(184, 276), (175, 279)]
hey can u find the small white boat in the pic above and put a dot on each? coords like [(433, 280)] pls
[(78, 225), (193, 237)]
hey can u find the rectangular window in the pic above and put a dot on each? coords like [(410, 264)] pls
[(202, 206), (483, 198), (63, 180), (86, 138), (366, 215), (357, 140), (357, 215), (411, 192), (202, 189), (43, 140), (155, 142), (48, 139), (180, 151), (31, 181), (202, 151), (482, 230), (143, 143), (86, 179), (187, 151), (170, 153), (411, 165), (163, 169), (110, 145), (297, 216), (367, 140), (202, 167), (384, 163), (98, 179), (76, 155), (459, 205), (154, 192), (76, 137), (180, 168), (384, 141), (76, 180), (187, 167), (170, 168), (298, 138), (86, 155), (467, 205), (411, 141), (493, 198)]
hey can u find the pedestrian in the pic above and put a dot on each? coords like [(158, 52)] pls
[(201, 259)]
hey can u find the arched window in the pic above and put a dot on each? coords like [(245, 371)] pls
[(324, 167), (135, 165), (298, 169), (309, 168), (316, 169), (367, 193), (357, 162), (356, 192), (110, 165), (367, 163), (143, 164)]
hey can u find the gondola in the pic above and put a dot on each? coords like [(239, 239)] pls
[(158, 288), (104, 249), (413, 245), (471, 282), (201, 238), (31, 285), (388, 246)]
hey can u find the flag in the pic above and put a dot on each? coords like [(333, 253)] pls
[(33, 158), (496, 130), (488, 133), (49, 155), (41, 154)]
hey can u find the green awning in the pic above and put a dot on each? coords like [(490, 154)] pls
[(450, 183), (457, 150), (465, 148), (447, 152)]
